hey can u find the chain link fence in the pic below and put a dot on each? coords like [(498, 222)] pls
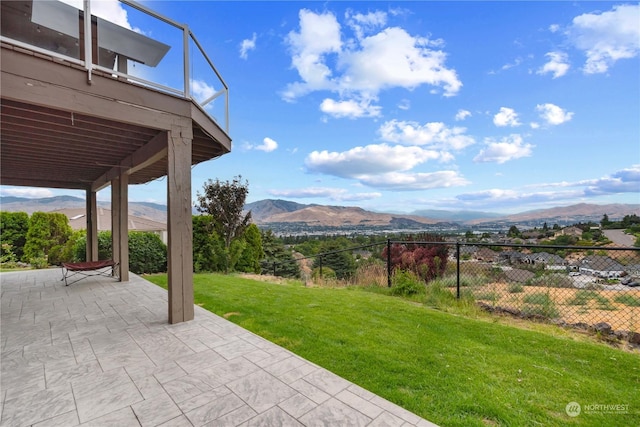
[(567, 284), (587, 287)]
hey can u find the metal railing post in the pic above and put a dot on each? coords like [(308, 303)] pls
[(274, 268), (185, 48), (320, 261), (458, 270), (88, 45), (388, 263)]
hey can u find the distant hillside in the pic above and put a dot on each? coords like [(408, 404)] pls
[(265, 212), (263, 209), (455, 216), (152, 211), (280, 211), (582, 212)]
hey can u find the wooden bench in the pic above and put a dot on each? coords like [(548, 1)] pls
[(86, 269)]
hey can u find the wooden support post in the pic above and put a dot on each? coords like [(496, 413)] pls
[(119, 224), (180, 252), (92, 226)]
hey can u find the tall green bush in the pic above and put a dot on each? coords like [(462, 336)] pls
[(252, 252), (47, 235), (13, 231), (147, 253), (78, 243)]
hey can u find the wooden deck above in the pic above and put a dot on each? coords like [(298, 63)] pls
[(60, 131)]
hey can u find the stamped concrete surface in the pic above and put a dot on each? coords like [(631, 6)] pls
[(101, 353)]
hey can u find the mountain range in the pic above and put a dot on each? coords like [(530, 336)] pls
[(271, 212)]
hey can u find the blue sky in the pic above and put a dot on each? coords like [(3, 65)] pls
[(399, 106)]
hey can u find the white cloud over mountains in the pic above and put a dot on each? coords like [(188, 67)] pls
[(607, 37), (358, 68), (623, 181), (435, 135), (337, 194)]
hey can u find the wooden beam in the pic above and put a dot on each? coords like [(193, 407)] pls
[(148, 154), (92, 225), (119, 225), (180, 228)]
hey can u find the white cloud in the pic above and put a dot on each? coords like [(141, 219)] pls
[(607, 37), (462, 114), (110, 10), (359, 69), (319, 36), (398, 181), (552, 114), (361, 23), (201, 90), (369, 160), (534, 125), (554, 28), (623, 181), (394, 58), (513, 64), (405, 104), (268, 145), (508, 148), (558, 64), (247, 45), (338, 194), (351, 109), (435, 135), (506, 117), (28, 192)]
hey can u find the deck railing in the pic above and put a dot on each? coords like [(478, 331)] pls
[(126, 40)]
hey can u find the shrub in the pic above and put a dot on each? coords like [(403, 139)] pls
[(147, 253), (539, 298), (628, 300), (13, 231), (540, 304), (554, 280), (327, 273), (515, 288), (79, 242), (371, 272), (406, 283)]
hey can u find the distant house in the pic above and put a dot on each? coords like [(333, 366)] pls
[(512, 257), (601, 266), (549, 261), (569, 231), (78, 221), (486, 254)]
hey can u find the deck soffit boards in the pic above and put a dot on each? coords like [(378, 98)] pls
[(59, 131)]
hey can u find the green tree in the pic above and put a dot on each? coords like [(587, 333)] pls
[(208, 248), (604, 222), (333, 255), (252, 252), (224, 201), (47, 235), (278, 260), (13, 231), (513, 231)]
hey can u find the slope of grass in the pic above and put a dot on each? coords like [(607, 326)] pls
[(450, 369)]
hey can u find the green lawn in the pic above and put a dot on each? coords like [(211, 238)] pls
[(450, 369)]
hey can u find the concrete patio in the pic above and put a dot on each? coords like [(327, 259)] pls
[(102, 353)]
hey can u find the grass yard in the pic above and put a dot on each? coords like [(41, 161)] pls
[(451, 369)]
